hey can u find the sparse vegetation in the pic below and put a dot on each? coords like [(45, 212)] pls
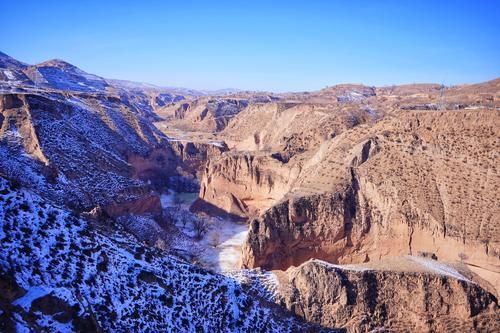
[(462, 256), (200, 226)]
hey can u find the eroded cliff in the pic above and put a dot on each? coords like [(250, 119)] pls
[(409, 294), (394, 188)]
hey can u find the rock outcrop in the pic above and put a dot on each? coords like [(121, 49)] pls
[(143, 204), (401, 295), (271, 144), (245, 184)]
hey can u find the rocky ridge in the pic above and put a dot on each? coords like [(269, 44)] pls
[(411, 294), (392, 193)]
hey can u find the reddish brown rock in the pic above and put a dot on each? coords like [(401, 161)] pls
[(144, 204), (401, 295), (245, 184)]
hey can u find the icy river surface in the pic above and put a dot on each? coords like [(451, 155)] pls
[(220, 247)]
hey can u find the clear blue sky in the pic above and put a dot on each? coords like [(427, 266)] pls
[(264, 45)]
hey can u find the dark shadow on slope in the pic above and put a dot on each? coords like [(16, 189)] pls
[(202, 206)]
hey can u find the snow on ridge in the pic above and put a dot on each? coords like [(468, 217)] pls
[(342, 267), (9, 74), (262, 283), (219, 144), (428, 265), (438, 268), (32, 294)]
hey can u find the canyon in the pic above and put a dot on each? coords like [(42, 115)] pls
[(352, 208)]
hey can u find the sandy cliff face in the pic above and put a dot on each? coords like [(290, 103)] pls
[(298, 229), (292, 128), (403, 295), (391, 189), (348, 174), (16, 119), (271, 144), (205, 113), (245, 184)]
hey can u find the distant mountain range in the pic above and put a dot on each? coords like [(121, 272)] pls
[(59, 74)]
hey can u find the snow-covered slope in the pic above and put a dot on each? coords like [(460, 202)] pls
[(59, 273), (8, 62), (82, 140), (12, 72), (58, 74)]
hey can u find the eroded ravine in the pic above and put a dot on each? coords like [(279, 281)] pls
[(371, 194), (391, 189)]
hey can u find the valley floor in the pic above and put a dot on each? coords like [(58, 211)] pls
[(219, 249)]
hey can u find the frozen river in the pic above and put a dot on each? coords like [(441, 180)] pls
[(220, 248)]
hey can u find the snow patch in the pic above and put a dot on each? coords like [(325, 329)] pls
[(343, 267), (219, 144), (32, 294), (225, 256), (439, 268), (9, 74)]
